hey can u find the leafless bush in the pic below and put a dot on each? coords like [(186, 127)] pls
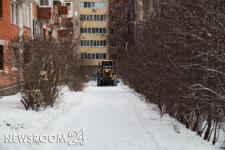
[(177, 61), (43, 66)]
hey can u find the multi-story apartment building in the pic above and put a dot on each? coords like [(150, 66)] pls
[(71, 20), (85, 20), (16, 19), (73, 8), (51, 19), (30, 19), (94, 32)]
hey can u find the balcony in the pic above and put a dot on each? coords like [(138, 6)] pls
[(44, 13), (59, 9), (63, 10), (56, 6)]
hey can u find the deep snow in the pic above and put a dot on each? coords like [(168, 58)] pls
[(112, 118)]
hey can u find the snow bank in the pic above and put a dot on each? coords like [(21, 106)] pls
[(167, 132), (114, 118), (15, 119)]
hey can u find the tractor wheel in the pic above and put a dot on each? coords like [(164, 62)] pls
[(98, 82), (114, 83)]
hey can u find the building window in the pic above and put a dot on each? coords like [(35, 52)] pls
[(36, 28), (44, 2), (89, 30), (14, 12), (87, 4), (1, 58), (26, 15), (1, 9), (70, 9), (93, 17), (82, 17), (83, 56), (102, 17), (93, 43), (104, 55), (93, 56), (104, 30), (93, 5), (99, 5), (93, 30)]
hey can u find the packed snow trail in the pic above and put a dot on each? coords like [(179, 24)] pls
[(112, 118), (109, 122)]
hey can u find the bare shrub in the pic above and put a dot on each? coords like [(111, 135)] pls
[(44, 64)]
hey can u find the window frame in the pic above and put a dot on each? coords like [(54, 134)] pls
[(104, 43), (14, 13), (27, 15), (101, 43), (104, 30), (93, 43), (1, 8), (81, 30), (98, 43), (1, 58), (89, 56), (89, 30), (93, 55), (97, 56), (69, 6), (44, 5), (98, 18), (85, 30), (104, 55)]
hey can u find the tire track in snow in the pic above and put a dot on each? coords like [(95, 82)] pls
[(141, 120)]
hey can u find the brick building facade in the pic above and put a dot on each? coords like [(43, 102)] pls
[(28, 18), (9, 29)]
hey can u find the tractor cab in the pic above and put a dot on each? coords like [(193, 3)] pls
[(106, 73)]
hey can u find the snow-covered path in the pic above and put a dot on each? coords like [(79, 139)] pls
[(112, 118), (109, 121)]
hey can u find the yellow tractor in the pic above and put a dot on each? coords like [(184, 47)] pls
[(106, 73)]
